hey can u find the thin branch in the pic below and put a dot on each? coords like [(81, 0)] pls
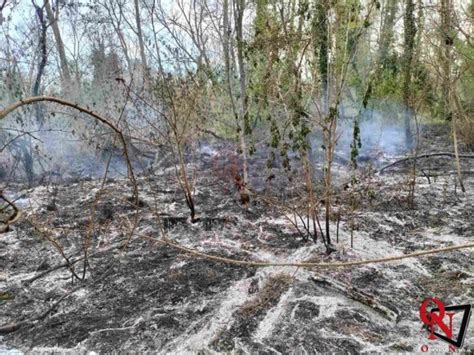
[(33, 99), (423, 156)]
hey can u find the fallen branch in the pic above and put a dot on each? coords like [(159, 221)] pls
[(358, 295), (303, 264), (424, 156), (463, 172), (112, 329)]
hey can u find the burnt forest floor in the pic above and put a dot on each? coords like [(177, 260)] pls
[(140, 295)]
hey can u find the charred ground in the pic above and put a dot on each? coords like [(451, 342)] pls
[(139, 294)]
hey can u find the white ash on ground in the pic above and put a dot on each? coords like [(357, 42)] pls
[(139, 295)]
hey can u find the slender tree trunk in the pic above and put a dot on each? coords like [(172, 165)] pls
[(387, 31), (43, 51), (457, 109), (115, 22), (445, 57), (65, 74), (42, 63), (409, 44), (321, 48), (229, 63), (141, 43), (244, 119), (452, 110)]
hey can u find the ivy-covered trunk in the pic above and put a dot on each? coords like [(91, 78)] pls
[(447, 41), (321, 47), (243, 121), (408, 50)]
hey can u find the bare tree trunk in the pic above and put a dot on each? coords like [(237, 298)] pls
[(141, 43), (239, 8), (65, 74), (452, 110), (41, 64), (43, 50), (241, 113), (387, 32), (226, 47), (457, 108), (116, 22)]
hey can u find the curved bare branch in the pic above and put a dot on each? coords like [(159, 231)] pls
[(32, 99)]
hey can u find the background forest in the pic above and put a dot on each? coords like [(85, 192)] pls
[(274, 72)]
